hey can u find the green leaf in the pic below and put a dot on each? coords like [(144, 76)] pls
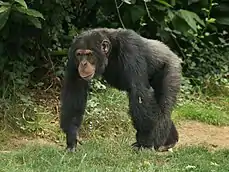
[(187, 17), (170, 15), (205, 10), (180, 25), (4, 8), (35, 21), (223, 20), (34, 13), (137, 12), (127, 1), (22, 2), (222, 40), (164, 3), (215, 4), (29, 12), (3, 18), (192, 1), (5, 3), (30, 69), (190, 18), (211, 20), (197, 18)]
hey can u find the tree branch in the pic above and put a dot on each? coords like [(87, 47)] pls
[(119, 16)]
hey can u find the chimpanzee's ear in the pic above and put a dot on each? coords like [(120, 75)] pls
[(105, 46)]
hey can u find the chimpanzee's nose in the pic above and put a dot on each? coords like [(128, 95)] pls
[(84, 63)]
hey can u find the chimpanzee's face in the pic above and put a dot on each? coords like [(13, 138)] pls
[(91, 54)]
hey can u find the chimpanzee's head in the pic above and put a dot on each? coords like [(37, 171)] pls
[(91, 50)]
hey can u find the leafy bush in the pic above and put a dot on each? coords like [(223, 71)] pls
[(35, 35), (16, 65)]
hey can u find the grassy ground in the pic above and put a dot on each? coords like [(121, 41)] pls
[(109, 155), (107, 134)]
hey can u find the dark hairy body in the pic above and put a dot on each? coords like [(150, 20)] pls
[(147, 69)]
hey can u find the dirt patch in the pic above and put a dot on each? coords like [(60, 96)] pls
[(197, 133), (17, 142)]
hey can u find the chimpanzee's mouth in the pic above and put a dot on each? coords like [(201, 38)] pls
[(88, 77)]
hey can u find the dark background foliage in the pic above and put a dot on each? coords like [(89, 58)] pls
[(35, 36)]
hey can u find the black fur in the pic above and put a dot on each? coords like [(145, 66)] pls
[(147, 69)]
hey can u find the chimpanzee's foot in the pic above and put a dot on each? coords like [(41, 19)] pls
[(165, 148), (71, 149), (138, 147)]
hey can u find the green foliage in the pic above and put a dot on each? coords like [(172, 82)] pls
[(18, 7), (34, 52), (16, 65)]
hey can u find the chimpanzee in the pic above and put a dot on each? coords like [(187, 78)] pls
[(146, 69)]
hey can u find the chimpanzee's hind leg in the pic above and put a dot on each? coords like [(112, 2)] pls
[(166, 90), (152, 125)]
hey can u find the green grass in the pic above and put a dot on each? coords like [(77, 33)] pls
[(210, 112), (116, 155)]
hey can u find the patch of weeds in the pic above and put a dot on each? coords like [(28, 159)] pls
[(204, 111)]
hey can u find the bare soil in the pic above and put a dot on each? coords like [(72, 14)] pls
[(197, 133)]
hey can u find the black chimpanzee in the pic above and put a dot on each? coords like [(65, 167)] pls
[(147, 69)]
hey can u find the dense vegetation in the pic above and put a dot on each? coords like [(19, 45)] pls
[(35, 35)]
